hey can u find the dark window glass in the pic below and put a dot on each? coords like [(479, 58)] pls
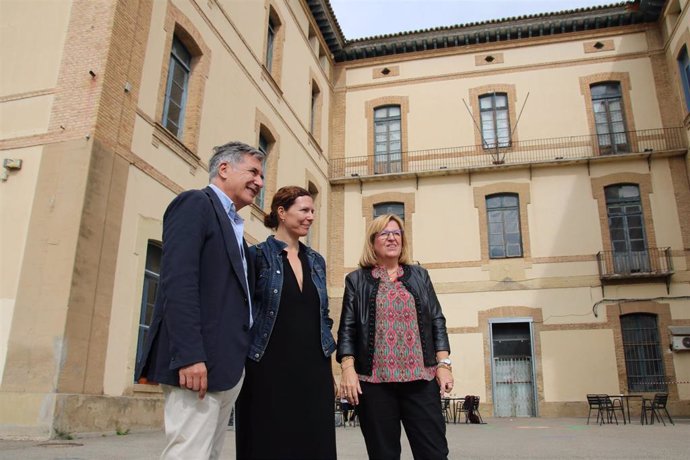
[(503, 218), (607, 104), (149, 293), (390, 208), (626, 228), (643, 357), (177, 88), (264, 146), (684, 68), (270, 42)]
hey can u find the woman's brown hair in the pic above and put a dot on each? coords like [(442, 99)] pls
[(284, 197)]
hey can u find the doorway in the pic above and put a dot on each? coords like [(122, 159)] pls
[(513, 368)]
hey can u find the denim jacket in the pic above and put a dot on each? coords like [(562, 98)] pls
[(269, 283)]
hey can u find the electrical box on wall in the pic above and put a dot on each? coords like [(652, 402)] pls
[(681, 343)]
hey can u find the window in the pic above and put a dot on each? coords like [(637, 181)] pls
[(177, 88), (315, 110), (607, 103), (264, 146), (642, 349), (390, 208), (684, 67), (388, 140), (149, 293), (313, 230), (270, 42), (626, 228), (503, 218), (493, 110)]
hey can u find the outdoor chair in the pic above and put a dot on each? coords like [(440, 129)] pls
[(654, 407), (613, 405), (445, 409), (470, 406), (595, 404), (606, 408)]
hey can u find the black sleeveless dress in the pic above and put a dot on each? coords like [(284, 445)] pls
[(286, 407)]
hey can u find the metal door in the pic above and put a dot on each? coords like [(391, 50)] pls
[(513, 387)]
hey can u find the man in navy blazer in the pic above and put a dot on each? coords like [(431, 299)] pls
[(199, 334)]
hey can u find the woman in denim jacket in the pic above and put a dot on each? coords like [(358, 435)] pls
[(289, 357)]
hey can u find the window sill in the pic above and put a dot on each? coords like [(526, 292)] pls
[(315, 144), (266, 75), (151, 388), (257, 212), (162, 136)]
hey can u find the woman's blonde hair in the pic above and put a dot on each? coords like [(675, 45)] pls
[(368, 258)]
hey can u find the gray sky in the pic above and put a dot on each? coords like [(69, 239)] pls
[(367, 18)]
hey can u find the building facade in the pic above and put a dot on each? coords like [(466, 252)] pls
[(540, 165)]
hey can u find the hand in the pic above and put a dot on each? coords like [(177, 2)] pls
[(444, 377), (349, 385), (194, 378)]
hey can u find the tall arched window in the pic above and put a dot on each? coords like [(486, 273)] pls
[(266, 142), (388, 139), (607, 103), (626, 227), (642, 348), (149, 292), (390, 208), (503, 218), (495, 122), (684, 69), (177, 88)]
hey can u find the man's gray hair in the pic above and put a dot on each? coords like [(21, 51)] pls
[(232, 153)]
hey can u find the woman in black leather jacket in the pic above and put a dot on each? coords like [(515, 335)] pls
[(393, 347)]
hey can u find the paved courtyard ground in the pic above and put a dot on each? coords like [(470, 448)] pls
[(523, 438)]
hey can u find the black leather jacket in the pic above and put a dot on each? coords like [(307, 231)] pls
[(358, 317)]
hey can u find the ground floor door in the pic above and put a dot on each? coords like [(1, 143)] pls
[(512, 369)]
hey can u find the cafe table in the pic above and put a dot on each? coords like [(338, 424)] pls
[(453, 403), (625, 402)]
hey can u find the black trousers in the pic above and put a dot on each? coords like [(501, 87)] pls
[(382, 406)]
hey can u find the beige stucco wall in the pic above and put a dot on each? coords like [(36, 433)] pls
[(16, 204), (32, 35), (540, 74), (575, 363), (35, 61), (467, 351)]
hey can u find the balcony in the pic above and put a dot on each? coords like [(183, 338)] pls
[(635, 265), (572, 149)]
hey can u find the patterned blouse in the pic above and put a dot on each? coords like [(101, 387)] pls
[(397, 346)]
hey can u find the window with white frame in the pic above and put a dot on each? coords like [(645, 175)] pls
[(177, 88), (503, 219)]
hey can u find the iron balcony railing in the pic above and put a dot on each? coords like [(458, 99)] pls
[(510, 153), (652, 262)]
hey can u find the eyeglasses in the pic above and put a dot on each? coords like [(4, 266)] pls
[(383, 235)]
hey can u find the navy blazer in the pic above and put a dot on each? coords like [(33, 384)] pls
[(202, 310)]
